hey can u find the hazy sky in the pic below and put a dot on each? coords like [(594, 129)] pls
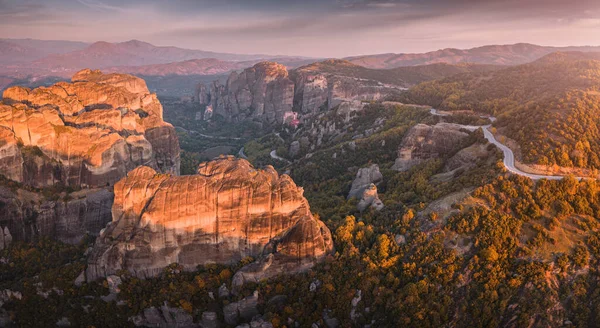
[(325, 28)]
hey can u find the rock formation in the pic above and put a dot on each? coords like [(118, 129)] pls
[(263, 91), (267, 91), (370, 197), (423, 142), (364, 188), (85, 134), (364, 178), (88, 132), (164, 317), (29, 214), (226, 212)]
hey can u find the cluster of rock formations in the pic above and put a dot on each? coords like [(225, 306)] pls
[(424, 142), (364, 188), (226, 212), (267, 91), (85, 134)]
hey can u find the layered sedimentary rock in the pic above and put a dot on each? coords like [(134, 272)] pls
[(88, 132), (267, 91), (263, 91), (226, 212), (28, 215), (85, 134), (423, 142)]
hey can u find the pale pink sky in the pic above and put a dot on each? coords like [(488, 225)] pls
[(320, 28)]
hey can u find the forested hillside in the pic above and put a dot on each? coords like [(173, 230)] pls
[(550, 107)]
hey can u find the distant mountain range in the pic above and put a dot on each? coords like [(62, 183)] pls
[(39, 62), (514, 54), (63, 58)]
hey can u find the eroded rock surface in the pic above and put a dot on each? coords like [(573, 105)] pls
[(226, 212), (370, 197), (263, 91), (425, 142), (364, 178), (28, 215), (90, 132), (85, 134), (268, 91)]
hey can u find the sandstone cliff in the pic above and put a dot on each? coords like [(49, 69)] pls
[(88, 132), (263, 91), (86, 135), (226, 212), (268, 92), (26, 215)]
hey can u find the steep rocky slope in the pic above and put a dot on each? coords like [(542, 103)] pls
[(89, 132), (226, 212), (268, 92), (84, 134)]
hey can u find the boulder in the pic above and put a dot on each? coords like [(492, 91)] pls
[(209, 320), (245, 309), (164, 317)]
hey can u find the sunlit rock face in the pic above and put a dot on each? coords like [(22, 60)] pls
[(90, 132), (226, 212), (85, 135)]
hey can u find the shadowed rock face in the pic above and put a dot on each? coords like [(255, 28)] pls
[(88, 132), (267, 91), (226, 212), (423, 142)]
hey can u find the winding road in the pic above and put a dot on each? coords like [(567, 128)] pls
[(509, 156), (274, 156)]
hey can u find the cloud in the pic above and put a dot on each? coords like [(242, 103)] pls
[(98, 5)]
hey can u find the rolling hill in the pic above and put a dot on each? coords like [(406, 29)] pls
[(514, 54)]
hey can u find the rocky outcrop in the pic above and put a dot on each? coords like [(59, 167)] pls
[(370, 197), (90, 132), (245, 309), (364, 188), (364, 178), (28, 215), (263, 91), (267, 91), (5, 238), (423, 142), (85, 135), (226, 212), (164, 317)]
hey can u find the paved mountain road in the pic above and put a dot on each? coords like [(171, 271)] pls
[(509, 156)]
